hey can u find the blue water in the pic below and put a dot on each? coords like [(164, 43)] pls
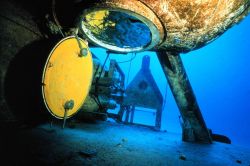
[(220, 76)]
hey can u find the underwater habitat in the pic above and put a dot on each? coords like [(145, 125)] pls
[(125, 82), (219, 76)]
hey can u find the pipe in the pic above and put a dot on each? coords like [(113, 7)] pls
[(194, 127)]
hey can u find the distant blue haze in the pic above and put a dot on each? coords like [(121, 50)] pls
[(220, 76)]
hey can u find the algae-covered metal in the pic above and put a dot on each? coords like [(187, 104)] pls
[(194, 126), (179, 25)]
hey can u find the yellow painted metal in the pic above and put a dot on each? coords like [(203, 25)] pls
[(98, 21), (67, 76)]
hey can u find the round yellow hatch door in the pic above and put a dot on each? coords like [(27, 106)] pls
[(67, 77)]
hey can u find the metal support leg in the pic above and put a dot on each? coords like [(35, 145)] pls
[(128, 109), (65, 117), (158, 119), (132, 114), (120, 113), (184, 96)]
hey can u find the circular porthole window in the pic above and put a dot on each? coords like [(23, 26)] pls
[(119, 30)]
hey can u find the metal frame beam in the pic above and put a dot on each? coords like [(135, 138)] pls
[(194, 127)]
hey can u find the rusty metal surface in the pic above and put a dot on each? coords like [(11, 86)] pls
[(184, 25), (185, 98), (191, 24)]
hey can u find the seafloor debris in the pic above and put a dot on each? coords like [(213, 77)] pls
[(87, 153), (239, 161), (182, 157)]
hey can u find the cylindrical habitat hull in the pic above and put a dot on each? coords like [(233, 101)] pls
[(180, 25)]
